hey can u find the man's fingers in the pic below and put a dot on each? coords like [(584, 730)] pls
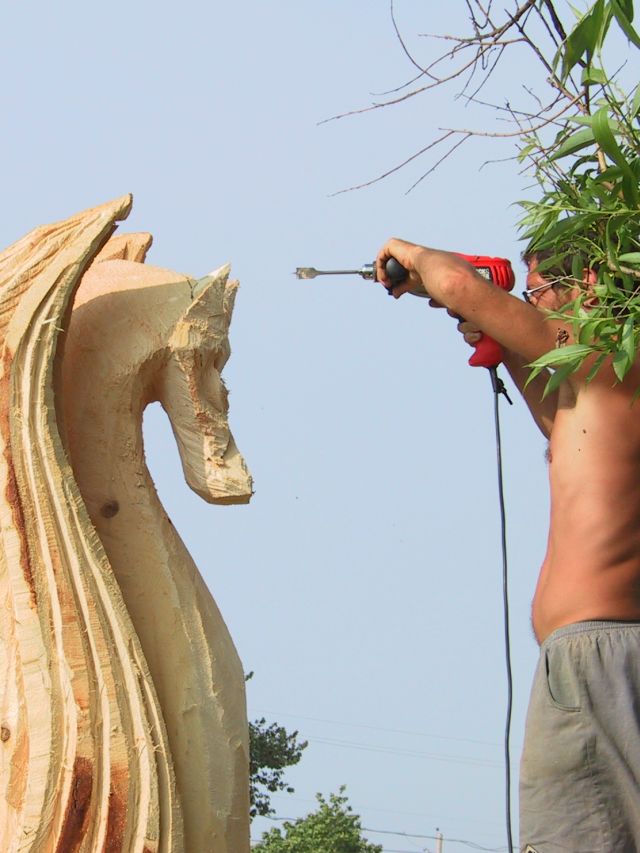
[(404, 253), (465, 326), (470, 332), (398, 290)]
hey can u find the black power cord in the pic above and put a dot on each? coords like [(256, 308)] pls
[(498, 389)]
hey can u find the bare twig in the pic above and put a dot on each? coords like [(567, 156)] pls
[(486, 76), (401, 98), (512, 134), (398, 167), (534, 96), (552, 35), (621, 268), (557, 23), (496, 32), (483, 43), (407, 52), (514, 112), (553, 80), (435, 165), (498, 160), (396, 89)]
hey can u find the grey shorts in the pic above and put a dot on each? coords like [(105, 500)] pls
[(580, 768)]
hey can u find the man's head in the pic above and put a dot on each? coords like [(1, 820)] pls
[(555, 287)]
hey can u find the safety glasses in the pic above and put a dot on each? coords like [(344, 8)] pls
[(527, 294)]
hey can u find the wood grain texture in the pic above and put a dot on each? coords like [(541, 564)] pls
[(122, 717)]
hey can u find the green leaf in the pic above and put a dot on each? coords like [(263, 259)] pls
[(535, 371), (593, 76), (583, 120), (624, 15), (595, 367), (572, 352), (559, 376), (621, 364), (588, 332), (609, 281), (586, 37), (579, 139), (627, 339), (524, 152), (630, 258), (635, 106), (627, 8), (606, 141), (563, 229), (577, 266)]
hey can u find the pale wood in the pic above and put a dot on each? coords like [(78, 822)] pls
[(122, 712)]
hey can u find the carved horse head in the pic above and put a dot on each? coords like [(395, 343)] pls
[(154, 335)]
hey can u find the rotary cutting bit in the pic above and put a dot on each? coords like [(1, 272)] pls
[(396, 274), (395, 271), (367, 271)]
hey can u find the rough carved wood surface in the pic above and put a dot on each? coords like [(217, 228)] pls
[(122, 712)]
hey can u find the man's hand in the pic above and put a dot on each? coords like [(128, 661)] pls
[(432, 270), (469, 331), (407, 254)]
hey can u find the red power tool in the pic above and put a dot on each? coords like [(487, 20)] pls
[(488, 353)]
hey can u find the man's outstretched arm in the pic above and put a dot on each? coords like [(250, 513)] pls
[(453, 283)]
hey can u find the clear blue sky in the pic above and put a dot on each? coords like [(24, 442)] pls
[(363, 582)]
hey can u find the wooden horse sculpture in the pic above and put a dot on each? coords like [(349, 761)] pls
[(122, 713)]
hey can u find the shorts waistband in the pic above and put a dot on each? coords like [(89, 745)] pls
[(587, 627)]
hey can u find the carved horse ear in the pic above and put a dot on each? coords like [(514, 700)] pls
[(213, 294), (126, 247)]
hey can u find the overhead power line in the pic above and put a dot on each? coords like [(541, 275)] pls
[(381, 728), (472, 844), (460, 759), (400, 834)]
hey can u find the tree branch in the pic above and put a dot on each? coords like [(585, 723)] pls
[(398, 167), (407, 52), (557, 23)]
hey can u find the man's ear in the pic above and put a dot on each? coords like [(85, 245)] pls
[(590, 276)]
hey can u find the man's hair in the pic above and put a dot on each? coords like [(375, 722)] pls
[(560, 269)]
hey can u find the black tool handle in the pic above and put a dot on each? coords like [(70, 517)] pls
[(396, 272), (398, 275)]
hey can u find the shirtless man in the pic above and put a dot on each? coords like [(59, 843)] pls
[(580, 768)]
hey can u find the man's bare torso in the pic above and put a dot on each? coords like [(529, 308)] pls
[(592, 566)]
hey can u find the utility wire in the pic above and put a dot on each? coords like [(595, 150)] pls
[(434, 756), (471, 844), (277, 714)]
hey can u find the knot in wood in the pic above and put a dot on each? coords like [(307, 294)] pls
[(109, 509)]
